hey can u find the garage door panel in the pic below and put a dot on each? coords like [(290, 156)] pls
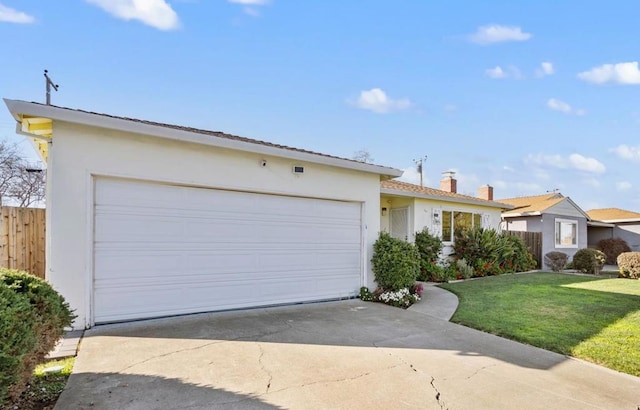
[(163, 250), (183, 298)]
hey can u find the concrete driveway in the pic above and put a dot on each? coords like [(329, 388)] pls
[(340, 355)]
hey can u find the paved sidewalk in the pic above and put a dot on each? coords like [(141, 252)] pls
[(436, 302)]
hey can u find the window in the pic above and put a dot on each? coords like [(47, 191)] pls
[(446, 226), (455, 221), (461, 221), (566, 233)]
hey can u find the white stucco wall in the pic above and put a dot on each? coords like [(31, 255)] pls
[(79, 153), (421, 215)]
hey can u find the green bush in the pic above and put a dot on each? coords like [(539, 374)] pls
[(612, 248), (629, 264), (17, 340), (464, 269), (396, 263), (589, 260), (492, 253), (556, 260), (51, 314), (429, 248)]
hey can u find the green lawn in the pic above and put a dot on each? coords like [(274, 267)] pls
[(591, 318)]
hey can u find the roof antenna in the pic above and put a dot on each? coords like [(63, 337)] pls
[(49, 85), (554, 191), (418, 163)]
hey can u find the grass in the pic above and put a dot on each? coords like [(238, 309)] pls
[(45, 388), (591, 318)]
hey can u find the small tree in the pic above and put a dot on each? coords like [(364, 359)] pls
[(363, 156), (20, 184)]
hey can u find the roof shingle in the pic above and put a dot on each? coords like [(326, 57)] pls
[(536, 203), (439, 194), (612, 214)]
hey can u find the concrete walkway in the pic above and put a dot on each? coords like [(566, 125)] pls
[(335, 355), (436, 302)]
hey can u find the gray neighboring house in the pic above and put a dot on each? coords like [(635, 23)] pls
[(562, 223), (614, 223)]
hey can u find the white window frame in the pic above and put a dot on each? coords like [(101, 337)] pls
[(557, 236), (453, 211)]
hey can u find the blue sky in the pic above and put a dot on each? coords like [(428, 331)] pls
[(527, 96)]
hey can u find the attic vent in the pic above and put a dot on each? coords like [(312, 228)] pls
[(298, 169)]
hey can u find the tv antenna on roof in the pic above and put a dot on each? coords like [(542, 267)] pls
[(50, 84), (418, 163), (554, 190)]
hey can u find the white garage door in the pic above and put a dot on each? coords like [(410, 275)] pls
[(163, 250)]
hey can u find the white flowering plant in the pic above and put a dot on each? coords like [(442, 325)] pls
[(402, 298)]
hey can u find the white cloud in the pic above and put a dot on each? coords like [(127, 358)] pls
[(620, 73), (450, 107), (9, 15), (586, 164), (546, 68), (377, 101), (154, 13), (625, 151), (496, 72), (498, 34), (558, 105), (623, 186), (574, 161), (250, 7)]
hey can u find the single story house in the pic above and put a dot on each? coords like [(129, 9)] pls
[(146, 219), (562, 223), (408, 208), (614, 223)]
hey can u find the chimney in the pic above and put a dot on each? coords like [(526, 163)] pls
[(448, 182), (485, 192)]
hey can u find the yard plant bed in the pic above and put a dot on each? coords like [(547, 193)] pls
[(591, 318), (45, 388)]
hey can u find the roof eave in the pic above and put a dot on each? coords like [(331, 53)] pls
[(600, 224), (18, 108), (442, 198), (518, 214)]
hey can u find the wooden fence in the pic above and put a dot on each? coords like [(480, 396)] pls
[(22, 238), (534, 243)]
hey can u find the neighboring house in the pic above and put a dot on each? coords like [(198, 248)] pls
[(408, 208), (146, 219), (562, 223), (614, 223)]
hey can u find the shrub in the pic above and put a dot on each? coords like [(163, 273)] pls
[(612, 248), (556, 260), (17, 340), (629, 264), (589, 260), (365, 294), (51, 314), (396, 263), (429, 248), (492, 253), (464, 269)]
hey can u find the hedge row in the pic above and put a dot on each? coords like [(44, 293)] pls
[(32, 319)]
